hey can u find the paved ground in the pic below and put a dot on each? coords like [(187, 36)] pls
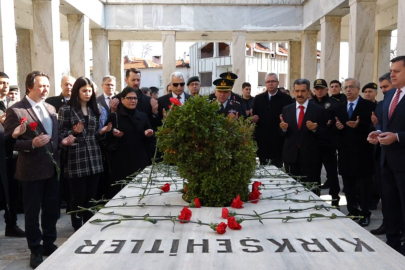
[(14, 254)]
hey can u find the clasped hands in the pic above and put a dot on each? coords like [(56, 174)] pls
[(352, 124), (385, 138), (310, 125)]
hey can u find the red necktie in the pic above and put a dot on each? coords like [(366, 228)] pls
[(300, 116), (394, 103)]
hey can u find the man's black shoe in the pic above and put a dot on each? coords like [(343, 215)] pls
[(63, 205), (364, 222), (36, 259), (373, 206), (379, 231), (325, 185), (49, 250), (15, 231)]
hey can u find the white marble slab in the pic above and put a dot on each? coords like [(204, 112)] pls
[(297, 244)]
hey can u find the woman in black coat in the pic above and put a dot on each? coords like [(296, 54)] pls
[(131, 134)]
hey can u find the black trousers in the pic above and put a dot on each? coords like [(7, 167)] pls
[(393, 203), (10, 215), (329, 160), (357, 189), (278, 162), (82, 190), (41, 195), (302, 168)]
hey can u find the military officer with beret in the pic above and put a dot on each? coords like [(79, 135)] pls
[(328, 147), (194, 85), (222, 93), (370, 92)]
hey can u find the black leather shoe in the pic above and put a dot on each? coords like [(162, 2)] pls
[(49, 250), (36, 259), (325, 185), (379, 231), (15, 231), (364, 222)]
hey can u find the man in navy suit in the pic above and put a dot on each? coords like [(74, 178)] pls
[(303, 123), (390, 134)]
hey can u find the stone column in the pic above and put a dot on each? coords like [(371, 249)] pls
[(79, 38), (46, 37), (25, 54), (168, 56), (294, 63), (100, 55), (8, 58), (401, 28), (330, 47), (308, 55), (361, 40), (238, 59), (382, 52), (117, 63)]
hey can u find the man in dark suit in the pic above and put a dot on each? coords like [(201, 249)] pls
[(9, 188), (355, 160), (35, 168), (226, 105), (177, 82), (66, 85), (5, 101), (267, 108), (303, 124), (385, 85), (391, 136), (106, 98)]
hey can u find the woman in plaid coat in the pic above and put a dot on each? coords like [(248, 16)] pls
[(80, 129)]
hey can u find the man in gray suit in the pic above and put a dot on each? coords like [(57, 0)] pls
[(106, 98), (35, 169)]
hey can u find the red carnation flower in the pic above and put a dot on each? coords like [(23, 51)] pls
[(165, 187), (33, 126), (197, 203), (256, 185), (225, 212), (185, 214), (237, 203), (254, 196), (233, 224), (23, 120), (175, 101), (221, 228)]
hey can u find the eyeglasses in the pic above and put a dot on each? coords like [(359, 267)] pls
[(271, 81), (350, 87), (131, 98), (177, 84)]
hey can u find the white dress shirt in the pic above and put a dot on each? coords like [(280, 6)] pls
[(182, 97), (107, 99), (298, 109), (354, 103)]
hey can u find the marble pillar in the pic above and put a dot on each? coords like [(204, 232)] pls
[(330, 47), (294, 63), (8, 58), (117, 63), (216, 49), (361, 40), (100, 55), (309, 55), (168, 56), (238, 58), (401, 28), (25, 54), (79, 37), (46, 41), (382, 52)]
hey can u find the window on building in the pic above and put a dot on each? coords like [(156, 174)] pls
[(207, 51), (224, 49), (261, 78), (206, 79)]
